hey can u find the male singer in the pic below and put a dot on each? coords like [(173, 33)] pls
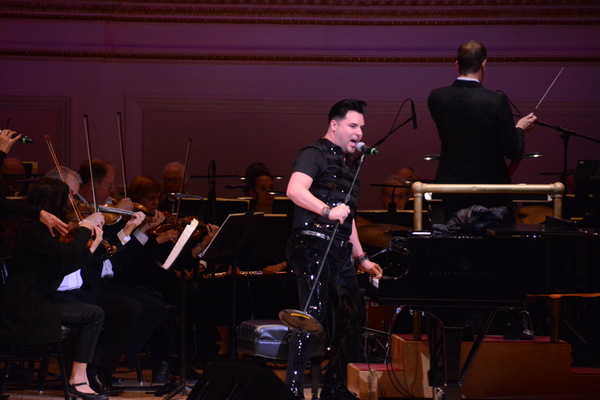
[(321, 178)]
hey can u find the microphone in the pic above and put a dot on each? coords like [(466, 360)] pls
[(25, 139), (414, 114), (363, 148)]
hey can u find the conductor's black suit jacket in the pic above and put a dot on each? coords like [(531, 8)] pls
[(477, 131)]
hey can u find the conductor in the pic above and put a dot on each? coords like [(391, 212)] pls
[(477, 131)]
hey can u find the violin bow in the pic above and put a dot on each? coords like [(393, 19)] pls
[(62, 177), (182, 187), (89, 153), (122, 145)]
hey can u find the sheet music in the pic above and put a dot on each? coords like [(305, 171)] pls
[(183, 238)]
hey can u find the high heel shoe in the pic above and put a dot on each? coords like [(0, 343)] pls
[(72, 389)]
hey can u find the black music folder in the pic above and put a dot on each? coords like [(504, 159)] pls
[(232, 236), (266, 246)]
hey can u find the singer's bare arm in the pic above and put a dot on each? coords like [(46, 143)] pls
[(298, 191)]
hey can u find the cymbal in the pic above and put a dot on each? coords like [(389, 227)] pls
[(378, 235)]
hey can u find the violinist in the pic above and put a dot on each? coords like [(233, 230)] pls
[(104, 187), (32, 311), (15, 208), (82, 284), (132, 246), (145, 192), (172, 178)]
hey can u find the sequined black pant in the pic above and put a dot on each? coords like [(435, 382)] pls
[(337, 303)]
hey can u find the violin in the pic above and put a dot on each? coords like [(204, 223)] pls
[(114, 211), (82, 210), (179, 225), (70, 236)]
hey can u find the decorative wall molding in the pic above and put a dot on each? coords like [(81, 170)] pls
[(109, 55), (61, 106), (315, 12)]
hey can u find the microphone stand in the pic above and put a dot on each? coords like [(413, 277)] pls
[(383, 139), (300, 319), (565, 135)]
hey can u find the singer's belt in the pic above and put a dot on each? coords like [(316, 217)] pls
[(337, 242)]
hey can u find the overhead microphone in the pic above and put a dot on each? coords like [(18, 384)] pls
[(414, 114), (363, 148)]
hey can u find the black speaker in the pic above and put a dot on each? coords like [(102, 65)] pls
[(239, 380)]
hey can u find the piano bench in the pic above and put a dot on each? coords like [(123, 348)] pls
[(555, 299)]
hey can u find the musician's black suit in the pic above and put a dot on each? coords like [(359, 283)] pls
[(477, 131)]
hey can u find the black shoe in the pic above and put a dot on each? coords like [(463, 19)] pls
[(103, 388), (85, 396)]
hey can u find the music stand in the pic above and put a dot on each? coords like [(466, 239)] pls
[(266, 245), (173, 256), (222, 208), (227, 244)]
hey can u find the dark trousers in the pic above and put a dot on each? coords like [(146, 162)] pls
[(88, 320), (148, 305), (120, 316), (337, 303)]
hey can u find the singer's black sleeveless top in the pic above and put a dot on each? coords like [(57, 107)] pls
[(332, 172)]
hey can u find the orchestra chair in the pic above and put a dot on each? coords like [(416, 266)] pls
[(13, 351), (268, 340)]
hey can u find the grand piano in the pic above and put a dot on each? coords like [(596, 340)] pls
[(454, 278)]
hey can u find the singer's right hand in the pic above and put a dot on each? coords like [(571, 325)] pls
[(7, 139), (339, 213)]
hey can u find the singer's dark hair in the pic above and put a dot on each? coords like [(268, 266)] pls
[(470, 57), (341, 108)]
